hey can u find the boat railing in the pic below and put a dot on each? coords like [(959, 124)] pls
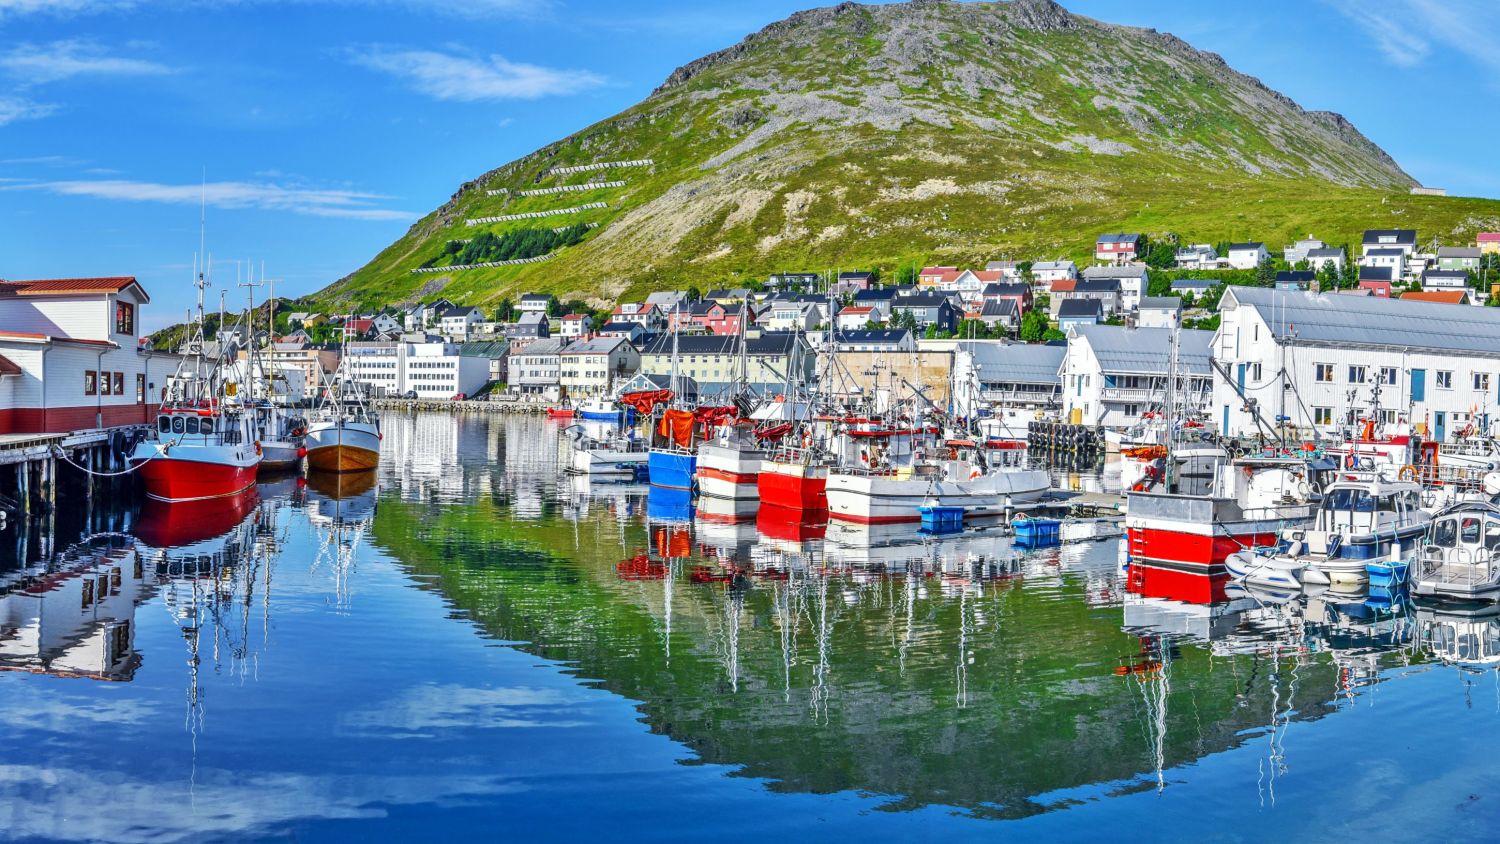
[(1458, 566)]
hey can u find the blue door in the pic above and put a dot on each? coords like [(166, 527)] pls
[(1224, 429), (1419, 385), (1439, 426), (1241, 377)]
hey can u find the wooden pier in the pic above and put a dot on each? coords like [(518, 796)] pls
[(38, 470)]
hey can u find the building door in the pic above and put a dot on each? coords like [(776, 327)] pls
[(1418, 385), (1240, 377), (1439, 426), (1224, 428)]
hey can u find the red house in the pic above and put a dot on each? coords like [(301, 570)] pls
[(1376, 288), (713, 318)]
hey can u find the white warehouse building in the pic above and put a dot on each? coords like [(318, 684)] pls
[(1112, 374), (1436, 365), (432, 370)]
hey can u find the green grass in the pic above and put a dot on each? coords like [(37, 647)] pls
[(1054, 202)]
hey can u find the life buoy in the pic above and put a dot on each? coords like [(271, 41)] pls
[(1407, 473), (257, 448), (952, 454), (974, 472)]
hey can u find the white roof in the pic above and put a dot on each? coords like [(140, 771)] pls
[(1372, 321)]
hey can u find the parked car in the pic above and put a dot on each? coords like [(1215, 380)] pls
[(459, 396), (409, 394)]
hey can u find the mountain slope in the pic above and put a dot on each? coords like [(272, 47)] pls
[(856, 135)]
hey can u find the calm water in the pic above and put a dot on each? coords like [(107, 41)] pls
[(476, 645)]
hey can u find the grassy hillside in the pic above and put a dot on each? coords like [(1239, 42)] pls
[(873, 136)]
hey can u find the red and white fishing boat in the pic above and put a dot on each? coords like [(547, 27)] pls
[(204, 444), (729, 465), (984, 482), (344, 433), (1253, 499)]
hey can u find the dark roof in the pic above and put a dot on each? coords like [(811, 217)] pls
[(922, 300), (769, 343), (1253, 244), (1119, 238), (1296, 275), (1401, 235), (1193, 283), (890, 336), (1376, 273), (996, 288), (1097, 285), (999, 307), (1080, 308), (1455, 275), (878, 294), (1326, 252), (619, 325), (536, 297), (855, 276), (1157, 303), (1385, 252)]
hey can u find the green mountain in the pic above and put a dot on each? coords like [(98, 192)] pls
[(859, 136)]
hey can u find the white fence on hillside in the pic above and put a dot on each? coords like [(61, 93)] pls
[(599, 165), (532, 215), (511, 263), (569, 188)]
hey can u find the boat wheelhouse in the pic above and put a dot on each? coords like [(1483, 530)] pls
[(1460, 556)]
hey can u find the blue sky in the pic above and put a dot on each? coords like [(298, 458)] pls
[(324, 127)]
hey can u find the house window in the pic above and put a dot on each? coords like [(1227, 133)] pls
[(1356, 375), (1388, 375), (1482, 381), (1255, 372), (124, 318), (1445, 379), (140, 388), (1323, 372), (1322, 416), (90, 383), (103, 383), (119, 389)]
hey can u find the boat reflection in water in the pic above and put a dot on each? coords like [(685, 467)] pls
[(340, 507)]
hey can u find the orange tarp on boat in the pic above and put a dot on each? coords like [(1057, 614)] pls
[(677, 424)]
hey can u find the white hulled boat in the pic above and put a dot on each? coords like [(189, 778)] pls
[(344, 432)]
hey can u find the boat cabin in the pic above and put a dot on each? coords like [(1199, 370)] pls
[(1460, 558), (1360, 519)]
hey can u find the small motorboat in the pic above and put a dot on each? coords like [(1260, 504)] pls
[(600, 409), (614, 454), (1361, 522), (560, 413), (1460, 556)]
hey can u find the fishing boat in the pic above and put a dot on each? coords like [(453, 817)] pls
[(613, 454), (1460, 556), (981, 480), (1360, 520), (729, 464), (203, 445), (601, 409), (1170, 535), (344, 432), (560, 413), (281, 436)]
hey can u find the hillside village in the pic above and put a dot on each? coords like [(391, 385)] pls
[(943, 325)]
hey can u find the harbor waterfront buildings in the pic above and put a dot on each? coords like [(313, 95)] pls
[(430, 368), (71, 356), (1112, 374), (1435, 365)]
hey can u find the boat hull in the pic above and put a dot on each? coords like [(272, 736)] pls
[(1197, 534), (879, 499), (731, 474), (672, 469), (280, 456), (352, 447), (195, 474), (793, 486), (605, 461)]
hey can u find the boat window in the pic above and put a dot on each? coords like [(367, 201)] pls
[(1491, 535), (1358, 500), (164, 424), (208, 426), (1445, 533), (178, 426), (192, 425), (1470, 530)]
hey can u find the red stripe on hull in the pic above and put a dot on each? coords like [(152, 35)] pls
[(746, 478), (190, 480), (793, 492), (873, 520), (1187, 549)]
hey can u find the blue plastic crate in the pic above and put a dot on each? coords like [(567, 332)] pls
[(942, 519), (1037, 533)]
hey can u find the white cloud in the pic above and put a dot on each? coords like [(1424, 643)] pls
[(13, 109), (473, 78), (38, 63), (1408, 32), (423, 710), (267, 196)]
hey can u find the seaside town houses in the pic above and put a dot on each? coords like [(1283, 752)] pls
[(71, 356)]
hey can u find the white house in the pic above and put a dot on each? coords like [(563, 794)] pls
[(1134, 280), (1159, 312), (1298, 251), (1389, 258), (790, 315), (856, 317), (458, 322), (595, 367), (1198, 256), (536, 368), (1445, 280), (535, 303), (1247, 256), (1402, 239), (1007, 385), (576, 325), (1112, 374), (386, 324), (71, 357), (1435, 365), (1046, 272), (883, 340), (1318, 257)]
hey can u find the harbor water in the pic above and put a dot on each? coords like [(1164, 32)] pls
[(473, 643)]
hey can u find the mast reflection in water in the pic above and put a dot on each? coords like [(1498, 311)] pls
[(470, 643)]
